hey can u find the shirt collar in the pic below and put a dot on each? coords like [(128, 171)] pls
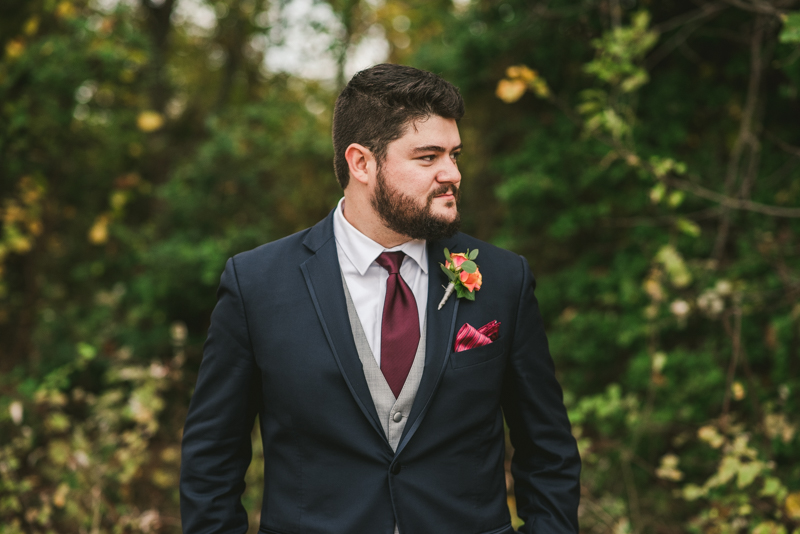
[(362, 251)]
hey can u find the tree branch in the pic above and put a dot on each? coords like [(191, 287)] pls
[(664, 220), (692, 16), (783, 145), (731, 202), (684, 185), (692, 20), (756, 6), (736, 341), (745, 136)]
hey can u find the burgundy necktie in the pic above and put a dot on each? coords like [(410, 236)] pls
[(399, 326)]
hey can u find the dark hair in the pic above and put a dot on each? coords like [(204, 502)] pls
[(375, 107)]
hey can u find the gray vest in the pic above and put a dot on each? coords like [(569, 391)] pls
[(392, 412)]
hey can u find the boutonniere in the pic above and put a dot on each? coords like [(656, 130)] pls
[(462, 271)]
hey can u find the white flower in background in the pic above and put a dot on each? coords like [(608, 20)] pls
[(711, 302), (679, 308), (659, 360), (668, 470), (724, 287), (16, 411), (158, 371)]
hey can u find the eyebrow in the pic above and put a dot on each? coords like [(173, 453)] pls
[(434, 148)]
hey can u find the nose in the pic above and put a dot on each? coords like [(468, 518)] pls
[(449, 174)]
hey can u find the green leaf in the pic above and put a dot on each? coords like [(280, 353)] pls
[(688, 227), (473, 254), (470, 295), (791, 28), (461, 291), (86, 351), (748, 473), (447, 255), (450, 274), (469, 266)]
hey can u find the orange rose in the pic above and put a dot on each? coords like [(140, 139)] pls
[(471, 281)]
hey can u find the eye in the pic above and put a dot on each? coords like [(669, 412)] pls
[(456, 155), (429, 157)]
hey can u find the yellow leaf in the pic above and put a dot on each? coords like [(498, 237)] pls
[(792, 505), (15, 48), (118, 200), (521, 72), (31, 26), (164, 479), (98, 234), (654, 289), (149, 121), (509, 91), (35, 227), (540, 88), (60, 496), (65, 10)]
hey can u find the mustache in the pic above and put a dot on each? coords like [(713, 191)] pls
[(444, 189)]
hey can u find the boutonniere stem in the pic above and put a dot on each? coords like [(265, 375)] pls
[(462, 271)]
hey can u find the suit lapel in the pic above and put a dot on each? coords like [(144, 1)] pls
[(439, 337), (324, 280)]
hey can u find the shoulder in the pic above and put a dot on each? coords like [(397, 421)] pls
[(495, 263), (273, 258), (499, 258), (287, 253)]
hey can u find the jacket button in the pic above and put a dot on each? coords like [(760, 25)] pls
[(397, 417), (396, 469)]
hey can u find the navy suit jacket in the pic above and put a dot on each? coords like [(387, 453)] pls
[(280, 346)]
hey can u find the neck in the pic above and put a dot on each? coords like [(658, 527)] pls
[(365, 220)]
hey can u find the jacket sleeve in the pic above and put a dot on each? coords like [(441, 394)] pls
[(216, 448), (546, 465)]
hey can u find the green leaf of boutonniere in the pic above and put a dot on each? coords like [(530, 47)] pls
[(462, 292), (473, 254), (450, 274), (469, 266), (447, 254)]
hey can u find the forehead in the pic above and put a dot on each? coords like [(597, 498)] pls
[(433, 130)]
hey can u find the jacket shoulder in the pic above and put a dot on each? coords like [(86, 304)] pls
[(273, 256), (487, 251)]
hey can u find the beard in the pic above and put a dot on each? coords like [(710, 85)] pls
[(404, 215)]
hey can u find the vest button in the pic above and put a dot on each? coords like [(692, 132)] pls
[(396, 469), (397, 417)]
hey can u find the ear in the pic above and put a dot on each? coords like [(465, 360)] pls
[(360, 161)]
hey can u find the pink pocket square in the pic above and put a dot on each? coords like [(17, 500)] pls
[(469, 337)]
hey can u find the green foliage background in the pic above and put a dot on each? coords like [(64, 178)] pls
[(644, 156)]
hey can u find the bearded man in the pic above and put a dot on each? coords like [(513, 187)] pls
[(381, 408)]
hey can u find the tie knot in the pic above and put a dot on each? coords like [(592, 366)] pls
[(391, 261)]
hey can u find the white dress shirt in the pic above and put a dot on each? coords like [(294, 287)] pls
[(366, 280)]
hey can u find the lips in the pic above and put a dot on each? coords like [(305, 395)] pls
[(446, 191)]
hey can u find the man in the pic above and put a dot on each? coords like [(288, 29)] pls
[(373, 418)]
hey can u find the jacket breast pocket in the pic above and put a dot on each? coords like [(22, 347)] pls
[(485, 353)]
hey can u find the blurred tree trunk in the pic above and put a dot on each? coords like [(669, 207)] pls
[(159, 27)]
